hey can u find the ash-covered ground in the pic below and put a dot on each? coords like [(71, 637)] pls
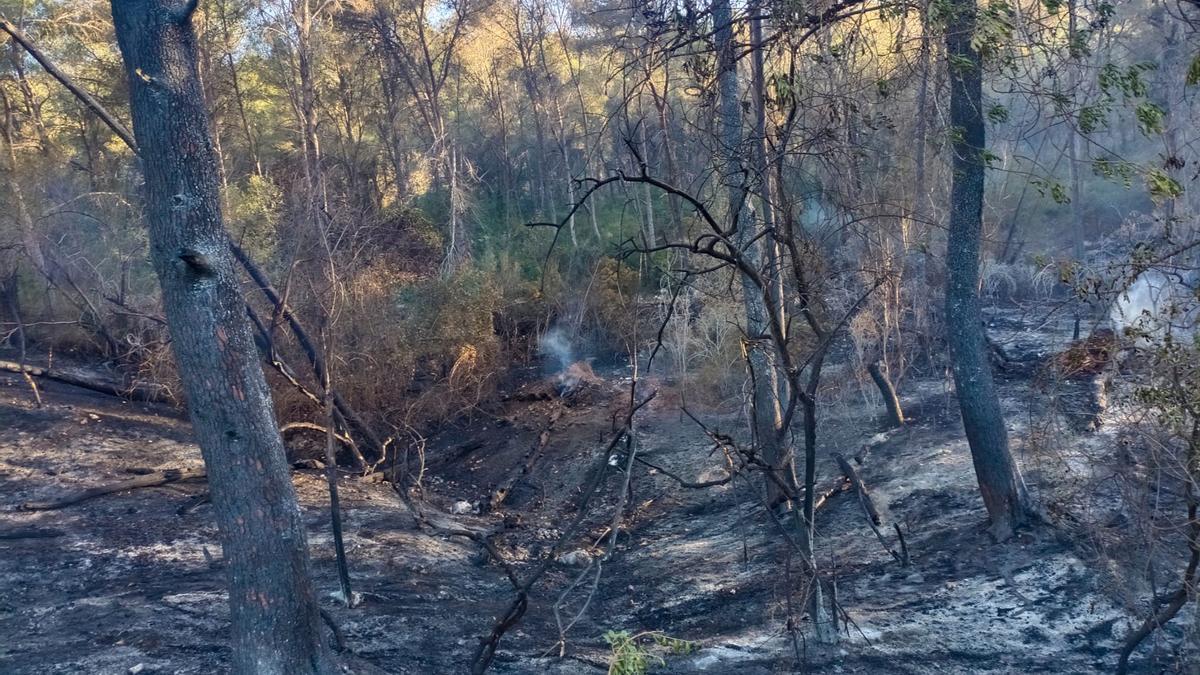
[(132, 582)]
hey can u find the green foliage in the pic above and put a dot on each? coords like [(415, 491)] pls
[(448, 314), (960, 64), (1115, 170), (1150, 118), (1077, 45), (1055, 190), (782, 88), (253, 215), (630, 653), (1093, 118), (1129, 84), (1162, 186), (1128, 81), (993, 29), (402, 332), (1060, 101)]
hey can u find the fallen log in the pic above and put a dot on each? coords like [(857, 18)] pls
[(856, 482), (869, 508), (531, 458), (822, 497), (149, 480), (91, 382)]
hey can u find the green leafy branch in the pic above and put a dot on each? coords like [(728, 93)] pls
[(630, 653)]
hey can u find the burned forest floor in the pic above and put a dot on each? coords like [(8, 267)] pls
[(132, 582)]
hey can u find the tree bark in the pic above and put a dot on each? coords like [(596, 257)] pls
[(275, 617), (766, 407), (762, 169), (1000, 481), (890, 399)]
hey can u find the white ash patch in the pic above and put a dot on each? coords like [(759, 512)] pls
[(197, 602), (987, 615), (186, 551)]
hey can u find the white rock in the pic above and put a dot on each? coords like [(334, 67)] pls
[(578, 558), (355, 598), (460, 507)]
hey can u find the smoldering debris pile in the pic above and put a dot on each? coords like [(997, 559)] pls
[(576, 383), (567, 377)]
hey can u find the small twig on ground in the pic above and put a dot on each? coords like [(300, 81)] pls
[(30, 533), (193, 503), (683, 482), (339, 638), (151, 480)]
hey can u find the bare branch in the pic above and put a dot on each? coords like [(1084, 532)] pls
[(84, 97)]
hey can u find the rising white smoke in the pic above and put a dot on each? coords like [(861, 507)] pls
[(555, 347), (1156, 305)]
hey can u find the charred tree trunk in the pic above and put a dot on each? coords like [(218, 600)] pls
[(999, 479), (890, 399), (276, 622)]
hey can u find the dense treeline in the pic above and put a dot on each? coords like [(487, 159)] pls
[(421, 138)]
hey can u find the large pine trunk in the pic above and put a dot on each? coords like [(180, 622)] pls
[(276, 621), (999, 479)]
